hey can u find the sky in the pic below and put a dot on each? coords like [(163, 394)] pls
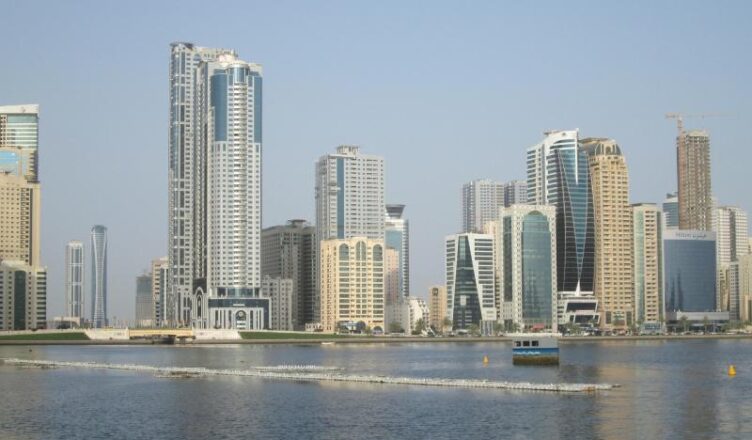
[(446, 92)]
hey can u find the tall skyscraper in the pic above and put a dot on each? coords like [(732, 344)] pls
[(23, 281), (557, 174), (730, 226), (215, 189), (481, 200), (289, 252), (352, 283), (349, 204), (397, 237), (98, 276), (187, 185), (74, 280), (671, 211), (349, 195), (613, 283), (689, 271), (160, 271), (648, 264), (144, 301), (515, 193), (527, 238), (227, 197), (693, 172), (470, 281)]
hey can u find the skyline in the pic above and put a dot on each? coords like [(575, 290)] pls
[(354, 105)]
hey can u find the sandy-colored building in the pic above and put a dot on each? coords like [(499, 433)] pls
[(437, 307), (613, 284), (391, 275), (19, 212), (648, 263), (352, 283)]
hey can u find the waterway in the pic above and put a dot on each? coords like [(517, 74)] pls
[(668, 389)]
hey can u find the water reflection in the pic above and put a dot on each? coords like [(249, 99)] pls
[(669, 390)]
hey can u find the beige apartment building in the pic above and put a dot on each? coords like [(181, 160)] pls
[(693, 172), (437, 307), (352, 283), (19, 216), (648, 263), (613, 285)]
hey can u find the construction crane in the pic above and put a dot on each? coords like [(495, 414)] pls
[(680, 118)]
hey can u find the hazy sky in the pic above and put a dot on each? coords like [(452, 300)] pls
[(447, 92)]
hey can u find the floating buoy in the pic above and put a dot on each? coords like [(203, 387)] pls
[(485, 359), (731, 371)]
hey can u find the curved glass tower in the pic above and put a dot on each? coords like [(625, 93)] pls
[(558, 175), (99, 276)]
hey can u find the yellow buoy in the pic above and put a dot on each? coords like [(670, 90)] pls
[(731, 371), (485, 359)]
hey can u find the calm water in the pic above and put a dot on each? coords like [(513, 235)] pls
[(676, 389)]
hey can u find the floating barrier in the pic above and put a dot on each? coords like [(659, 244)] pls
[(302, 375)]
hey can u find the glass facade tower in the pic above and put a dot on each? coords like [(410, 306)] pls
[(99, 276), (689, 271)]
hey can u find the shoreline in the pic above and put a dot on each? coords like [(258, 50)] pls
[(367, 340)]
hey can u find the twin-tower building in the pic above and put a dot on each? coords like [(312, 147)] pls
[(327, 274)]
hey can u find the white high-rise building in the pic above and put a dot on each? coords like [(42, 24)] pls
[(227, 233), (515, 193), (730, 226), (74, 280), (481, 200), (350, 195), (470, 279), (187, 190)]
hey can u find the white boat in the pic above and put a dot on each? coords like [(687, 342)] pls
[(535, 349)]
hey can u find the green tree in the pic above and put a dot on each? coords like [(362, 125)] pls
[(684, 323), (498, 328), (473, 330), (395, 327), (420, 325), (705, 323), (447, 325)]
